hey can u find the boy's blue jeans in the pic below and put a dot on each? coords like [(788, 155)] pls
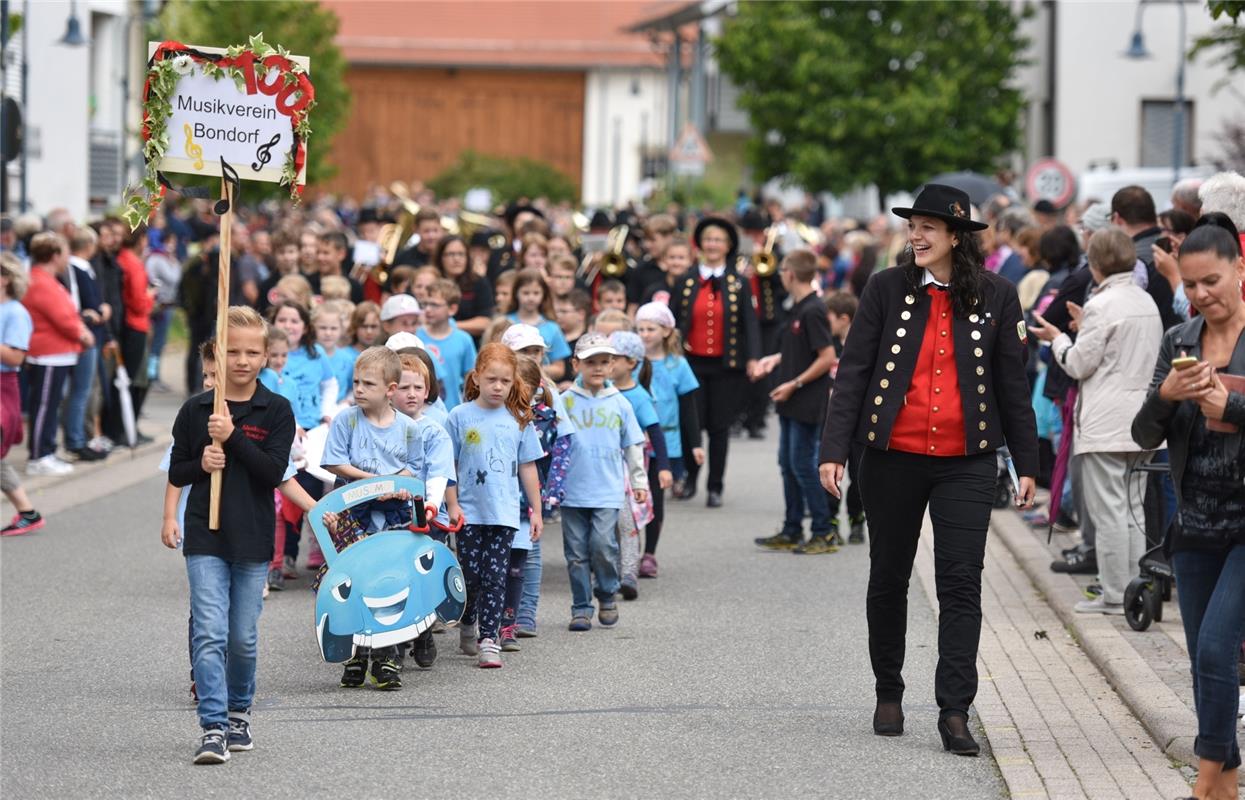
[(591, 550), (225, 600), (1211, 592), (798, 444), (532, 570)]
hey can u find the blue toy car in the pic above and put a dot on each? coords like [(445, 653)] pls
[(386, 588)]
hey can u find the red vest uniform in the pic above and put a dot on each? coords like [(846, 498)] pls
[(706, 334), (931, 421)]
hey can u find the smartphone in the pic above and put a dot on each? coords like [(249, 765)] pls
[(1184, 362), (1164, 243)]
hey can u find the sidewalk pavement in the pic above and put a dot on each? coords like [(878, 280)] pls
[(1055, 727), (1149, 670), (124, 466)]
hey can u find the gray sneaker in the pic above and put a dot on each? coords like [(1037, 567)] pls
[(467, 640), (1099, 606), (490, 654), (607, 615)]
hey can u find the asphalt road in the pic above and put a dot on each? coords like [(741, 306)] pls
[(738, 673)]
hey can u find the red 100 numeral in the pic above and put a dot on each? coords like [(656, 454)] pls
[(284, 92)]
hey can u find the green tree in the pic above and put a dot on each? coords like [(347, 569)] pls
[(844, 94), (508, 178), (301, 27), (1230, 38)]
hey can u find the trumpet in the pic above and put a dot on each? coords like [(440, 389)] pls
[(764, 262), (613, 261)]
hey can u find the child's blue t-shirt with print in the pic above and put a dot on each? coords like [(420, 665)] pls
[(489, 447), (672, 378), (307, 374), (354, 440), (342, 364), (604, 425), (15, 329), (454, 356), (279, 383), (556, 347)]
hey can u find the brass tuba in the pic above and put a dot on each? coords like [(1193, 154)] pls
[(470, 222), (613, 260), (394, 234), (764, 262)]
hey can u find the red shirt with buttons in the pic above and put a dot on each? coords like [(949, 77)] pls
[(707, 333), (931, 421)]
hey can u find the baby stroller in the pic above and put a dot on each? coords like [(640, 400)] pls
[(1146, 593)]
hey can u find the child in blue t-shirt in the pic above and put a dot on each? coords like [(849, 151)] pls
[(273, 376), (315, 392), (16, 328), (606, 435), (673, 387), (367, 440), (438, 469), (451, 349), (532, 304), (328, 319), (631, 359), (494, 444)]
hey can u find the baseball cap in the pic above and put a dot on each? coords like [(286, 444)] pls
[(519, 336), (592, 344), (398, 305), (404, 339), (628, 344)]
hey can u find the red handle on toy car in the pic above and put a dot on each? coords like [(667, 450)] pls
[(421, 513)]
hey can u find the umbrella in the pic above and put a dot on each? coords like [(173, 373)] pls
[(980, 188), (122, 382)]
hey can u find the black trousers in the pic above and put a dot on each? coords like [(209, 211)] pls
[(896, 488), (719, 402)]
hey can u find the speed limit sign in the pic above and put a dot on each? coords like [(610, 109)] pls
[(1051, 180)]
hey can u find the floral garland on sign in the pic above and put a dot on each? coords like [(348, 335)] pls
[(251, 67)]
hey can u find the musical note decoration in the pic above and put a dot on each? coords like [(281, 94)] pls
[(194, 150), (263, 153), (230, 176)]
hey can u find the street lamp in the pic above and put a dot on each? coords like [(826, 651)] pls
[(73, 29), (1137, 50)]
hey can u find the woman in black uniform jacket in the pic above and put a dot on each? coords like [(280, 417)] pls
[(932, 383)]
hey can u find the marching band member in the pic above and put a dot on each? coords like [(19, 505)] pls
[(714, 311), (932, 382)]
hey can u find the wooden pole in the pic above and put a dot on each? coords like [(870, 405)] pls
[(222, 338)]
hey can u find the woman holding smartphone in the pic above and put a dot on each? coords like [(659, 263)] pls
[(1187, 402)]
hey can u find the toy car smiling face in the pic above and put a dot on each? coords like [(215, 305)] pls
[(384, 590)]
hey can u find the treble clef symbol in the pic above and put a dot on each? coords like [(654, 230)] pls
[(193, 149), (264, 153)]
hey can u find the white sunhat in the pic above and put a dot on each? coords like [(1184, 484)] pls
[(520, 336)]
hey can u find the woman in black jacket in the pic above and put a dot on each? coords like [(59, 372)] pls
[(931, 383), (1208, 469)]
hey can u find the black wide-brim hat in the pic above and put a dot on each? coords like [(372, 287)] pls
[(717, 222), (943, 202), (513, 211)]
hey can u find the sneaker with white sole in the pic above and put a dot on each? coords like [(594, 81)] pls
[(212, 747), (467, 640), (48, 465), (490, 654), (239, 736), (1099, 606)]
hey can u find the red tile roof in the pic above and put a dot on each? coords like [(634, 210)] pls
[(567, 34)]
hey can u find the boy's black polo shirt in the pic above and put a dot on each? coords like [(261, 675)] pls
[(256, 456), (807, 331)]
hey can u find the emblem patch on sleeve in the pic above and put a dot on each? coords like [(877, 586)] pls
[(1022, 331)]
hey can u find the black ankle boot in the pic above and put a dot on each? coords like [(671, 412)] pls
[(888, 719), (956, 737)]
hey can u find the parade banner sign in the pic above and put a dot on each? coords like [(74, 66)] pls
[(238, 113), (208, 109)]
